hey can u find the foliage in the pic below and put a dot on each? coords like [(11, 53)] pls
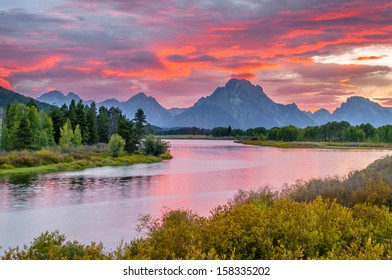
[(66, 135), (55, 246), (371, 185), (255, 228), (153, 145), (116, 145), (9, 97), (77, 136), (140, 122), (25, 127), (74, 158), (92, 124), (329, 218)]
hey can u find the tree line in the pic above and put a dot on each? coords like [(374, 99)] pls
[(330, 132), (26, 127)]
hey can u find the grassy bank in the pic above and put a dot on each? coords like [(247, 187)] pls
[(331, 218), (55, 160), (317, 145)]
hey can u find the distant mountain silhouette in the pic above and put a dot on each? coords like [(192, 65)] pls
[(57, 98), (154, 112), (358, 110), (320, 117), (8, 97), (241, 105)]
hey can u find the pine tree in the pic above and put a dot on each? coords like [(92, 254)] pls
[(128, 132), (23, 134), (140, 122), (58, 117), (92, 124), (113, 117), (35, 125), (102, 121), (72, 115), (81, 119)]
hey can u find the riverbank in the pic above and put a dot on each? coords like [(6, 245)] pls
[(46, 161), (316, 145), (321, 219)]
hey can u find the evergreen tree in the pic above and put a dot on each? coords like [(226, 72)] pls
[(5, 139), (113, 117), (140, 122), (32, 103), (127, 130), (35, 125), (92, 124), (58, 117), (102, 121), (72, 115), (81, 119), (23, 134)]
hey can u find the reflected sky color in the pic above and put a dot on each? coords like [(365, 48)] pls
[(103, 204)]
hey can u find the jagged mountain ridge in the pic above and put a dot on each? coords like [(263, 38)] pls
[(57, 98), (243, 105), (155, 113), (320, 117), (358, 110)]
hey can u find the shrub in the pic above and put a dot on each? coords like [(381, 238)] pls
[(116, 145), (47, 157), (55, 246), (155, 146)]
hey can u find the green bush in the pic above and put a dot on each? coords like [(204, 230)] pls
[(153, 145), (116, 145), (47, 157), (55, 246)]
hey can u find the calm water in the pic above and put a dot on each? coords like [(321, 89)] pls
[(103, 204)]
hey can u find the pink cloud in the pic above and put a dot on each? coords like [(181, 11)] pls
[(179, 51)]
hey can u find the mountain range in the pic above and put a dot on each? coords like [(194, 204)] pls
[(239, 104)]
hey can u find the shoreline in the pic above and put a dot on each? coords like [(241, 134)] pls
[(317, 145), (82, 164)]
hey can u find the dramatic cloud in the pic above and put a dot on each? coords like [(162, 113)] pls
[(315, 53)]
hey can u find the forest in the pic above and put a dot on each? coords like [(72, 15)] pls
[(74, 137), (26, 127)]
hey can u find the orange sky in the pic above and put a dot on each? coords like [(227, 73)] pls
[(314, 53)]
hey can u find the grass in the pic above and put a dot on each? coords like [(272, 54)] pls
[(45, 161), (316, 145)]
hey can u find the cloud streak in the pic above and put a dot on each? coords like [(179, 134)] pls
[(180, 50)]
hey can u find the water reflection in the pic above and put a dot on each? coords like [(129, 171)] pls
[(103, 204)]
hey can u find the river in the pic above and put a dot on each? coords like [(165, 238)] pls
[(103, 204)]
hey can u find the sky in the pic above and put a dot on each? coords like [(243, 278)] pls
[(310, 52)]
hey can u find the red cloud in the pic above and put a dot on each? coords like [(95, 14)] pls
[(163, 46), (5, 84), (246, 76), (373, 57)]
